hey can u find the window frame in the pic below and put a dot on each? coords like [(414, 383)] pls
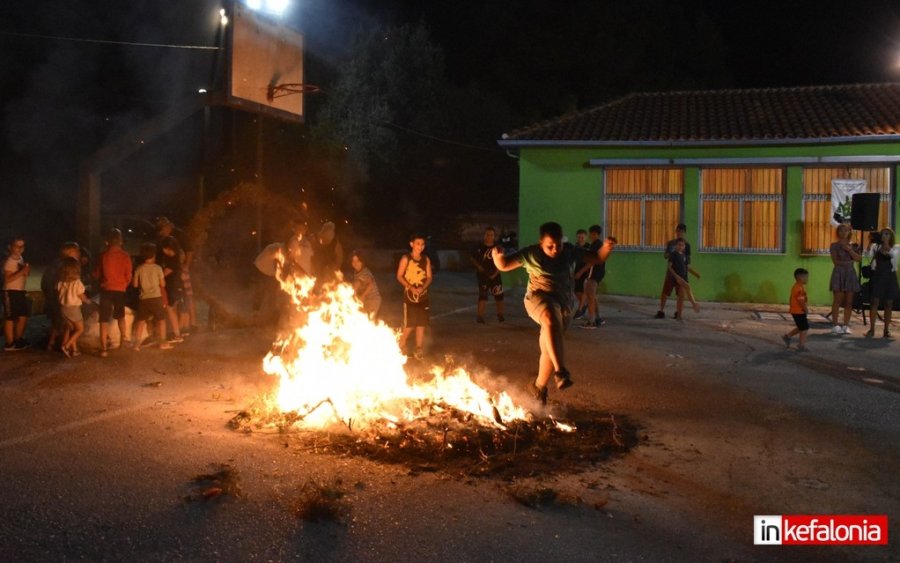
[(888, 197), (743, 198), (643, 198)]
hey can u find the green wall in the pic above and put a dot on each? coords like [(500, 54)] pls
[(556, 184)]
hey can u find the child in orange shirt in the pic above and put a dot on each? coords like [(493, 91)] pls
[(798, 310)]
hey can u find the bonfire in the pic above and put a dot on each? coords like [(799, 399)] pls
[(336, 366)]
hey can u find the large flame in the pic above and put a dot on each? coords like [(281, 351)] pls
[(336, 366)]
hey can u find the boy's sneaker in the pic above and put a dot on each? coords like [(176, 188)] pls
[(786, 339), (837, 329), (539, 393), (479, 320), (20, 344), (599, 321), (563, 379), (847, 329), (589, 325), (11, 347), (659, 315), (580, 313)]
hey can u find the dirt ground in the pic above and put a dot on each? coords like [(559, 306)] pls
[(132, 457)]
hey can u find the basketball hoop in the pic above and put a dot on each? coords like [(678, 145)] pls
[(280, 90)]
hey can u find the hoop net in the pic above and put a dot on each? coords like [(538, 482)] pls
[(280, 90)]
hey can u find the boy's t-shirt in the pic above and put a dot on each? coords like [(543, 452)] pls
[(148, 277), (166, 262), (484, 256), (679, 264), (11, 266), (551, 276), (798, 299), (670, 250)]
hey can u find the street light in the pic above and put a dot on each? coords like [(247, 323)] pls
[(274, 7)]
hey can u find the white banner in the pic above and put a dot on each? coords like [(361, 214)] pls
[(842, 191)]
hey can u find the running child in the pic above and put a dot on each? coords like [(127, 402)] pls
[(798, 310), (678, 268)]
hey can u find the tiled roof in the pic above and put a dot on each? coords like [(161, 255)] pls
[(766, 115)]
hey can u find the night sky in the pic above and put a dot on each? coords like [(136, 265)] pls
[(60, 100)]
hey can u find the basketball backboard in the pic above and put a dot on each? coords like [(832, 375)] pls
[(265, 56)]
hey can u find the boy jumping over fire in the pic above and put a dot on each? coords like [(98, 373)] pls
[(550, 299)]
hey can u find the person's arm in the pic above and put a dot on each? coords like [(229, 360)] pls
[(401, 269), (504, 263), (477, 263), (693, 271), (854, 255), (834, 258), (678, 279), (11, 276)]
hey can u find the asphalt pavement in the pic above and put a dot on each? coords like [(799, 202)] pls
[(97, 456)]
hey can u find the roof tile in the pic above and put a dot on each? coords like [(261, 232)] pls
[(813, 112)]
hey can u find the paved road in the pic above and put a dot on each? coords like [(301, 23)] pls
[(96, 456)]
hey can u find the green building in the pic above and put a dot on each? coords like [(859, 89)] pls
[(749, 172)]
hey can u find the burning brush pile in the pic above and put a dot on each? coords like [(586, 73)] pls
[(344, 387)]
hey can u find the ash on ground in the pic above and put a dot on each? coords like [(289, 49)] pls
[(450, 441)]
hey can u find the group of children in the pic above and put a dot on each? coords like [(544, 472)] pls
[(157, 286)]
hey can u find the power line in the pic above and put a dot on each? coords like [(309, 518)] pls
[(110, 42), (440, 140)]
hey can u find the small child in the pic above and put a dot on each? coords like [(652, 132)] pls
[(414, 274), (799, 310), (72, 296), (150, 280), (49, 281), (15, 301), (679, 269), (364, 285)]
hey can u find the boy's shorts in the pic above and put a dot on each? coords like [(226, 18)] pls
[(112, 305), (801, 321), (15, 303), (415, 314), (152, 307), (536, 303), (72, 313), (488, 286)]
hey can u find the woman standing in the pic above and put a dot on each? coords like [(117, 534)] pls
[(885, 289), (844, 282)]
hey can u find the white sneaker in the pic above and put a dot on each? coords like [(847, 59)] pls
[(847, 329), (837, 329)]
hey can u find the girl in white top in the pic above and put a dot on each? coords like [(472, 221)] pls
[(884, 255), (71, 296)]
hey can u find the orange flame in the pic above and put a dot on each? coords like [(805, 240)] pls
[(337, 366)]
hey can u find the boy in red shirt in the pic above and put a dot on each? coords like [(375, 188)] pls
[(114, 271), (798, 310)]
